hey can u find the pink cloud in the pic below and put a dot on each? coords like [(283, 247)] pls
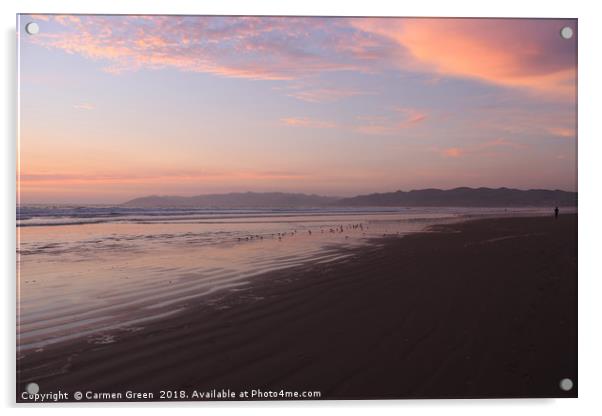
[(539, 122), (453, 152), (65, 178), (261, 48), (500, 142), (307, 122), (66, 19), (523, 53), (403, 118), (318, 95), (411, 115), (486, 148), (561, 132), (43, 17), (84, 106)]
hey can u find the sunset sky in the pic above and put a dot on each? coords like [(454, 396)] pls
[(117, 107)]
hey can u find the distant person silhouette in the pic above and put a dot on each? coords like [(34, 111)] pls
[(556, 212)]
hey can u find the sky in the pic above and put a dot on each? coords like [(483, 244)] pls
[(117, 107)]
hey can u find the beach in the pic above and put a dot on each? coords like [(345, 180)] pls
[(481, 308)]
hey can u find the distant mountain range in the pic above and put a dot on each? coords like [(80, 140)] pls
[(458, 197), (464, 197)]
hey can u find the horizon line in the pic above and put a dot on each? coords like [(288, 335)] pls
[(293, 193)]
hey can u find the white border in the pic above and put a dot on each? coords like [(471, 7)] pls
[(590, 201)]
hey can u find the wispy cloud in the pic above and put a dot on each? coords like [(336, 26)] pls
[(308, 122), (261, 48), (84, 106), (453, 152), (486, 148), (319, 95), (392, 122), (562, 132), (522, 53), (402, 118), (539, 121), (43, 17), (65, 178)]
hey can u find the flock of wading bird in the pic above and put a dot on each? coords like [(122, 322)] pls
[(338, 229)]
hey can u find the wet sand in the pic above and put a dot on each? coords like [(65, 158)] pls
[(486, 308)]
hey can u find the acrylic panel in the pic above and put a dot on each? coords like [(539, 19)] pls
[(295, 208)]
